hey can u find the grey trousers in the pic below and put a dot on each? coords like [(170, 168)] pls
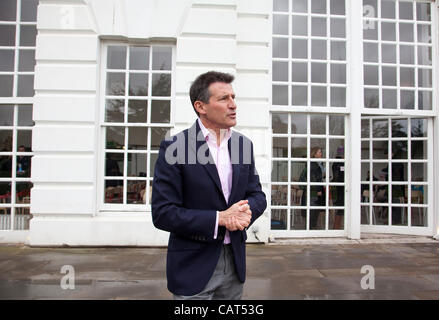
[(224, 283)]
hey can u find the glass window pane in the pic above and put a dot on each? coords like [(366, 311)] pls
[(279, 218), (399, 172), (139, 58), (115, 84), (318, 6), (298, 216), (25, 85), (406, 54), (280, 24), (365, 153), (25, 116), (419, 217), (425, 99), (29, 10), (318, 49), (318, 96), (8, 10), (388, 9), (407, 77), (338, 97), (299, 71), (300, 6), (365, 128), (115, 137), (280, 147), (406, 10), (116, 57), (299, 25), (280, 48), (407, 99), (370, 29), (26, 60), (153, 160), (338, 28), (279, 171), (5, 166), (6, 115), (388, 53), (424, 55), (22, 192), (388, 31), (136, 192), (316, 219), (419, 149), (406, 32), (279, 195), (380, 128), (157, 135), (299, 172), (390, 99), (318, 27), (338, 50), (371, 98), (299, 48), (298, 147), (424, 33), (137, 138), (298, 123), (23, 167), (389, 76), (423, 11), (299, 95), (138, 85), (7, 35), (318, 72), (161, 85), (336, 148), (419, 171), (28, 35), (279, 122), (114, 110), (336, 125), (137, 164), (7, 58), (162, 58), (280, 95), (280, 71), (161, 111), (281, 5), (137, 111), (370, 52), (24, 140), (338, 73), (338, 7), (316, 145), (399, 128), (380, 149), (424, 78), (113, 191), (418, 128), (371, 75)]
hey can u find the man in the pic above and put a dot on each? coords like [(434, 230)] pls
[(206, 194)]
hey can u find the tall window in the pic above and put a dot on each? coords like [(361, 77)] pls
[(17, 62), (397, 55), (309, 53), (136, 117)]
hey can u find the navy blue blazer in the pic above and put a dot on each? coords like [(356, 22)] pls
[(187, 194)]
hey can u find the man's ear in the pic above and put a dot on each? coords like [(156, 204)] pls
[(199, 106)]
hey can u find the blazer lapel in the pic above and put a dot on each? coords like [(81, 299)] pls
[(210, 165)]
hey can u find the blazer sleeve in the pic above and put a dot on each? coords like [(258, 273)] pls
[(168, 213), (254, 194)]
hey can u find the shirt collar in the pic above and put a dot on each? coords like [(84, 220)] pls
[(209, 135)]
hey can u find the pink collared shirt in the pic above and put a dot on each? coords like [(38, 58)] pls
[(221, 157)]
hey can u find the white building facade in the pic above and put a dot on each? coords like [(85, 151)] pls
[(89, 88)]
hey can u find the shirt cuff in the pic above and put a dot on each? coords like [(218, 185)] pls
[(215, 234)]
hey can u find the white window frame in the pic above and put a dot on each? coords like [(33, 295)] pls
[(16, 102), (116, 208)]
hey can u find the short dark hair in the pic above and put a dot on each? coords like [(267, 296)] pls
[(199, 90)]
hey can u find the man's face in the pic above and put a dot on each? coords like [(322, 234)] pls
[(220, 112)]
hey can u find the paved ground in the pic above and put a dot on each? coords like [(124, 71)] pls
[(405, 268)]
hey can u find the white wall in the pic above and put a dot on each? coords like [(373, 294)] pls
[(229, 35)]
